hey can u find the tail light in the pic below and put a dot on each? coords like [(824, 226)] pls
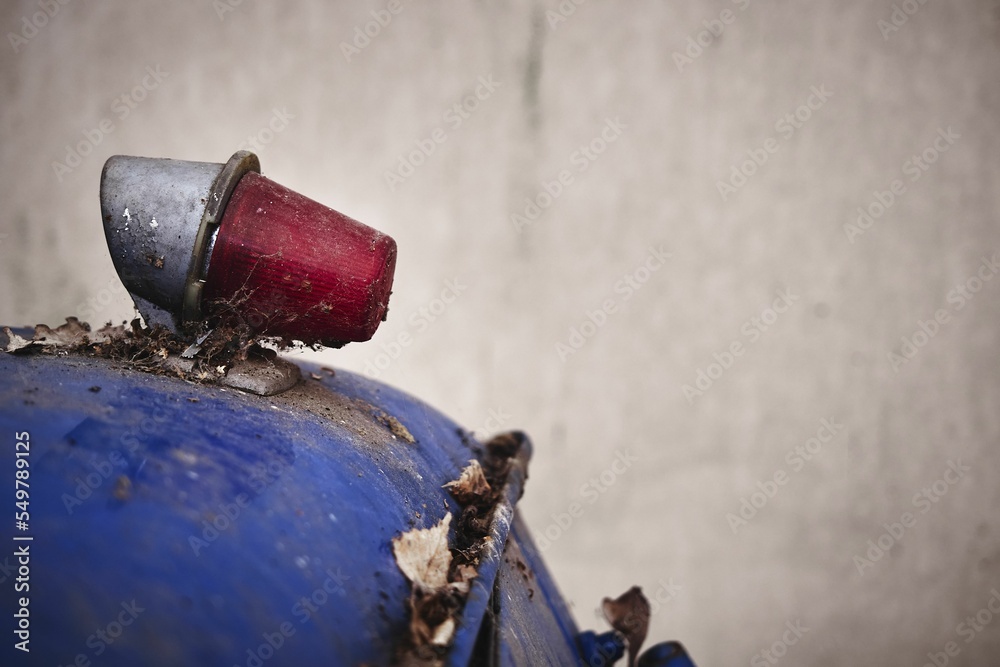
[(195, 241)]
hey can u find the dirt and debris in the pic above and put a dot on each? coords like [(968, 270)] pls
[(395, 427), (156, 261), (470, 485), (424, 557), (123, 488), (526, 573), (67, 337), (441, 573), (150, 349), (245, 318), (629, 615)]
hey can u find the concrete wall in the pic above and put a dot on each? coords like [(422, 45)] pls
[(682, 127)]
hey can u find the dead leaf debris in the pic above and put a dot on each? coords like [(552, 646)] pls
[(629, 615), (423, 556), (395, 427), (470, 485), (441, 573), (66, 337), (150, 349)]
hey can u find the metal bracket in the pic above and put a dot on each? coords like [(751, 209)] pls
[(238, 166)]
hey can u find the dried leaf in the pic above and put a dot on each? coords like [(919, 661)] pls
[(438, 595), (65, 335), (444, 632), (106, 333), (15, 342), (629, 615), (429, 611), (465, 573), (471, 485), (72, 335), (463, 576), (423, 555)]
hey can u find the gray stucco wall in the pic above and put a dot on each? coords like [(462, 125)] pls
[(330, 123)]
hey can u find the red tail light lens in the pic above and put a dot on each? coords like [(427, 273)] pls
[(288, 266)]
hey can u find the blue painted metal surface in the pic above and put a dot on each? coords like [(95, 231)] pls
[(181, 524), (600, 649), (666, 654)]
